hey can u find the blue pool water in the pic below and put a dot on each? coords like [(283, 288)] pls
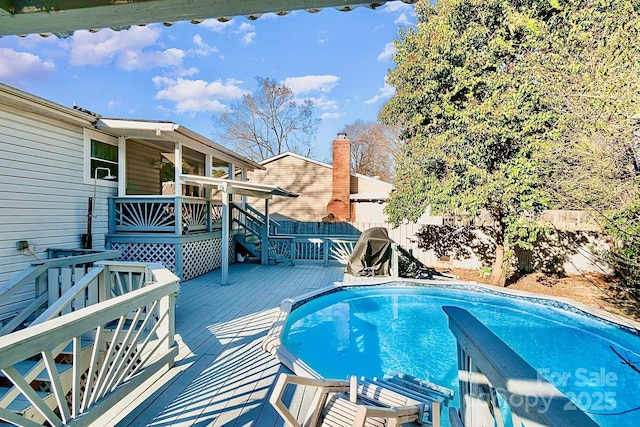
[(375, 330)]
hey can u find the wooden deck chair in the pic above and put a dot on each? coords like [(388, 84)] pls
[(337, 403)]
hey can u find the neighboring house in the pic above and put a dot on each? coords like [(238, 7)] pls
[(74, 180), (326, 192)]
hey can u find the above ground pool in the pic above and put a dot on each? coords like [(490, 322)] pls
[(391, 328)]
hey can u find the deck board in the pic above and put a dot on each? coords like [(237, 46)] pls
[(222, 377)]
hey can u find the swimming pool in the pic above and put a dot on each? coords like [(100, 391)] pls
[(401, 327)]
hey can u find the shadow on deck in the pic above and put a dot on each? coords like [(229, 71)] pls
[(222, 377)]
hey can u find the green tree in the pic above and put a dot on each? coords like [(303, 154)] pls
[(268, 122), (474, 121), (590, 68)]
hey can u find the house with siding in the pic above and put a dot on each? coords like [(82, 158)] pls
[(75, 180), (326, 192)]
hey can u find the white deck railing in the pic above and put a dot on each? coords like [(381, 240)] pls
[(69, 368), (42, 283), (488, 367)]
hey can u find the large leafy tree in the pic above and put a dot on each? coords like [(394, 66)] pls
[(590, 67), (474, 121), (268, 122)]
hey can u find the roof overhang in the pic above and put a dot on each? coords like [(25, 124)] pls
[(154, 131), (244, 188), (369, 197), (63, 17), (33, 104)]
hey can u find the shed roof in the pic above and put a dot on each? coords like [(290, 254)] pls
[(246, 188)]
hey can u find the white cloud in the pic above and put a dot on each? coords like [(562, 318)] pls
[(198, 95), (129, 49), (106, 45), (397, 6), (387, 52), (246, 33), (203, 48), (16, 67), (405, 12), (323, 103), (385, 92), (326, 116), (215, 25), (304, 84), (403, 19), (146, 60)]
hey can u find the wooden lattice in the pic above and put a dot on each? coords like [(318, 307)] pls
[(163, 253), (201, 257)]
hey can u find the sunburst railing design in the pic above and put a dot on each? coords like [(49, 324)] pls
[(143, 215), (85, 361)]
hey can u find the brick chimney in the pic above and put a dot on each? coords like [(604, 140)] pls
[(339, 205)]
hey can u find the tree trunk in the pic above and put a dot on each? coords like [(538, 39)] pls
[(498, 276)]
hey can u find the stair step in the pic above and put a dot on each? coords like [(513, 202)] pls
[(20, 403)]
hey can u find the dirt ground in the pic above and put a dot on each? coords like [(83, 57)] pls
[(595, 290)]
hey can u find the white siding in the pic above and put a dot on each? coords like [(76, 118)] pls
[(42, 195), (142, 177)]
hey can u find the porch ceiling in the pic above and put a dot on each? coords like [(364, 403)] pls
[(63, 17), (245, 188), (160, 133)]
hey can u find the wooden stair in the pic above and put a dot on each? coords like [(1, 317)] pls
[(251, 238)]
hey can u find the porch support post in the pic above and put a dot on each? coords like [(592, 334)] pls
[(243, 198), (122, 166), (265, 234), (208, 165), (177, 184), (224, 267), (177, 168), (231, 176)]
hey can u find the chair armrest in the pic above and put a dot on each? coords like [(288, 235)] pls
[(396, 416), (324, 387)]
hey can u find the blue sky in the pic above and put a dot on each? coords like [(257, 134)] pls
[(188, 73)]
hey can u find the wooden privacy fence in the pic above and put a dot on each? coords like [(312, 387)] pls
[(573, 242)]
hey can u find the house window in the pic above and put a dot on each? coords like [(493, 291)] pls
[(101, 154)]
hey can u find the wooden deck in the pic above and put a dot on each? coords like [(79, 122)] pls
[(222, 377)]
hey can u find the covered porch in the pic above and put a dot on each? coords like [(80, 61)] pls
[(180, 196)]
